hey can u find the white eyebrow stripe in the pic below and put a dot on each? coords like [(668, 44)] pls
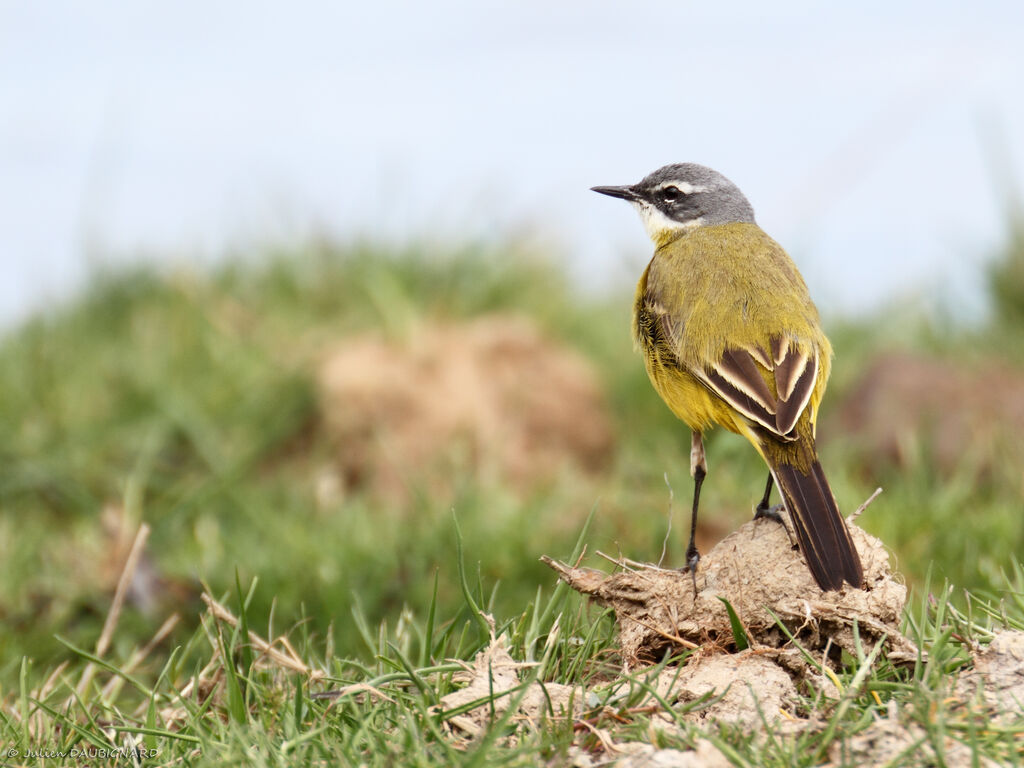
[(684, 186)]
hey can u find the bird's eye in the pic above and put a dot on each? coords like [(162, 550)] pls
[(670, 194)]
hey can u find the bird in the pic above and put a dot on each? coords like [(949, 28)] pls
[(730, 337)]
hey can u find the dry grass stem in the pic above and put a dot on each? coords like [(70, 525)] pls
[(116, 605), (860, 510), (288, 659)]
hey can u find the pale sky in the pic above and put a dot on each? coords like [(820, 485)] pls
[(874, 140)]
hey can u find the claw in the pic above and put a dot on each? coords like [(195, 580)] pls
[(692, 558), (764, 512)]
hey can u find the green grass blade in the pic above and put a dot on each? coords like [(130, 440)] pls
[(739, 634), (477, 615), (142, 687), (428, 639)]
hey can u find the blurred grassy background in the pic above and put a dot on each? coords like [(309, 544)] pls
[(189, 400)]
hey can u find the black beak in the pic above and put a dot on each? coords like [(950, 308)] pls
[(626, 193)]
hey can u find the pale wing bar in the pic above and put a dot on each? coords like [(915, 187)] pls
[(738, 380)]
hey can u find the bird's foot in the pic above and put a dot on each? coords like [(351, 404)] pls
[(692, 558), (765, 512)]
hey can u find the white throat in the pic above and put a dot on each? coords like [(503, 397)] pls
[(657, 224)]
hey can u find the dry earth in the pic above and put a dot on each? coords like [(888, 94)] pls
[(492, 395), (962, 415), (770, 684)]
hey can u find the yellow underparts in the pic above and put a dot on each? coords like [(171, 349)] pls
[(692, 402)]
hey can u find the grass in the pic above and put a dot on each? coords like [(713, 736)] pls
[(220, 699), (186, 401)]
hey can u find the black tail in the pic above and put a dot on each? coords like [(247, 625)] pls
[(824, 539)]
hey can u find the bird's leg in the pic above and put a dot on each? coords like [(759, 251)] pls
[(765, 511), (698, 469)]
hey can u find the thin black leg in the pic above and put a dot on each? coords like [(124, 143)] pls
[(699, 470), (765, 511), (692, 555), (764, 508)]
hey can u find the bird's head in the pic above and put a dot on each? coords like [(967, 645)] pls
[(681, 197)]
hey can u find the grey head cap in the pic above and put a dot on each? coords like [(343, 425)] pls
[(682, 196)]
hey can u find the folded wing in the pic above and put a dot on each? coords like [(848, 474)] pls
[(770, 387)]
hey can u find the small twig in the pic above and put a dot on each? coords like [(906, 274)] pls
[(51, 682), (139, 655), (674, 638), (668, 529), (635, 566), (583, 553), (122, 589), (36, 723), (204, 674), (290, 648), (619, 561), (602, 735), (127, 574), (860, 510), (349, 689), (288, 660)]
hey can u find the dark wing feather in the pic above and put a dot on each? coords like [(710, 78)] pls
[(738, 399), (742, 378), (787, 371), (739, 367), (798, 393)]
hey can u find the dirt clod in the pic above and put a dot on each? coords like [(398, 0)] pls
[(886, 741), (900, 407), (495, 672), (997, 679), (745, 689), (759, 574), (492, 395), (638, 755)]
